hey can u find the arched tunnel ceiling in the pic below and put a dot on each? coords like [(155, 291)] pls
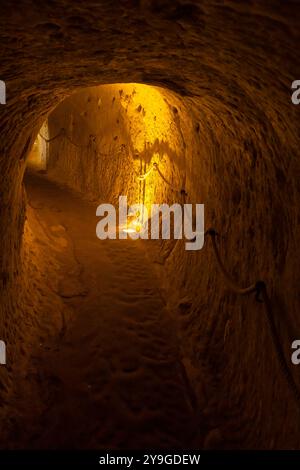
[(230, 54)]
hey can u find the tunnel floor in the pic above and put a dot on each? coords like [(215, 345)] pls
[(112, 377)]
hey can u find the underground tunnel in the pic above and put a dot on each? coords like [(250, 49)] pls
[(141, 343)]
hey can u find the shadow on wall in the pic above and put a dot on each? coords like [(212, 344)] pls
[(162, 149), (113, 133)]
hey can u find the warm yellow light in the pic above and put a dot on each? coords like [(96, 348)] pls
[(134, 223), (150, 118), (38, 155)]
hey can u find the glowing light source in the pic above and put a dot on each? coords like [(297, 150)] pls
[(134, 223)]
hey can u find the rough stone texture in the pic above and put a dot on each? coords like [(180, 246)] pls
[(115, 133), (232, 63)]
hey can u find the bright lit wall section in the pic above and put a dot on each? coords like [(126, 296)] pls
[(121, 139)]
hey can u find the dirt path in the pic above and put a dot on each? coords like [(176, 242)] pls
[(112, 378)]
